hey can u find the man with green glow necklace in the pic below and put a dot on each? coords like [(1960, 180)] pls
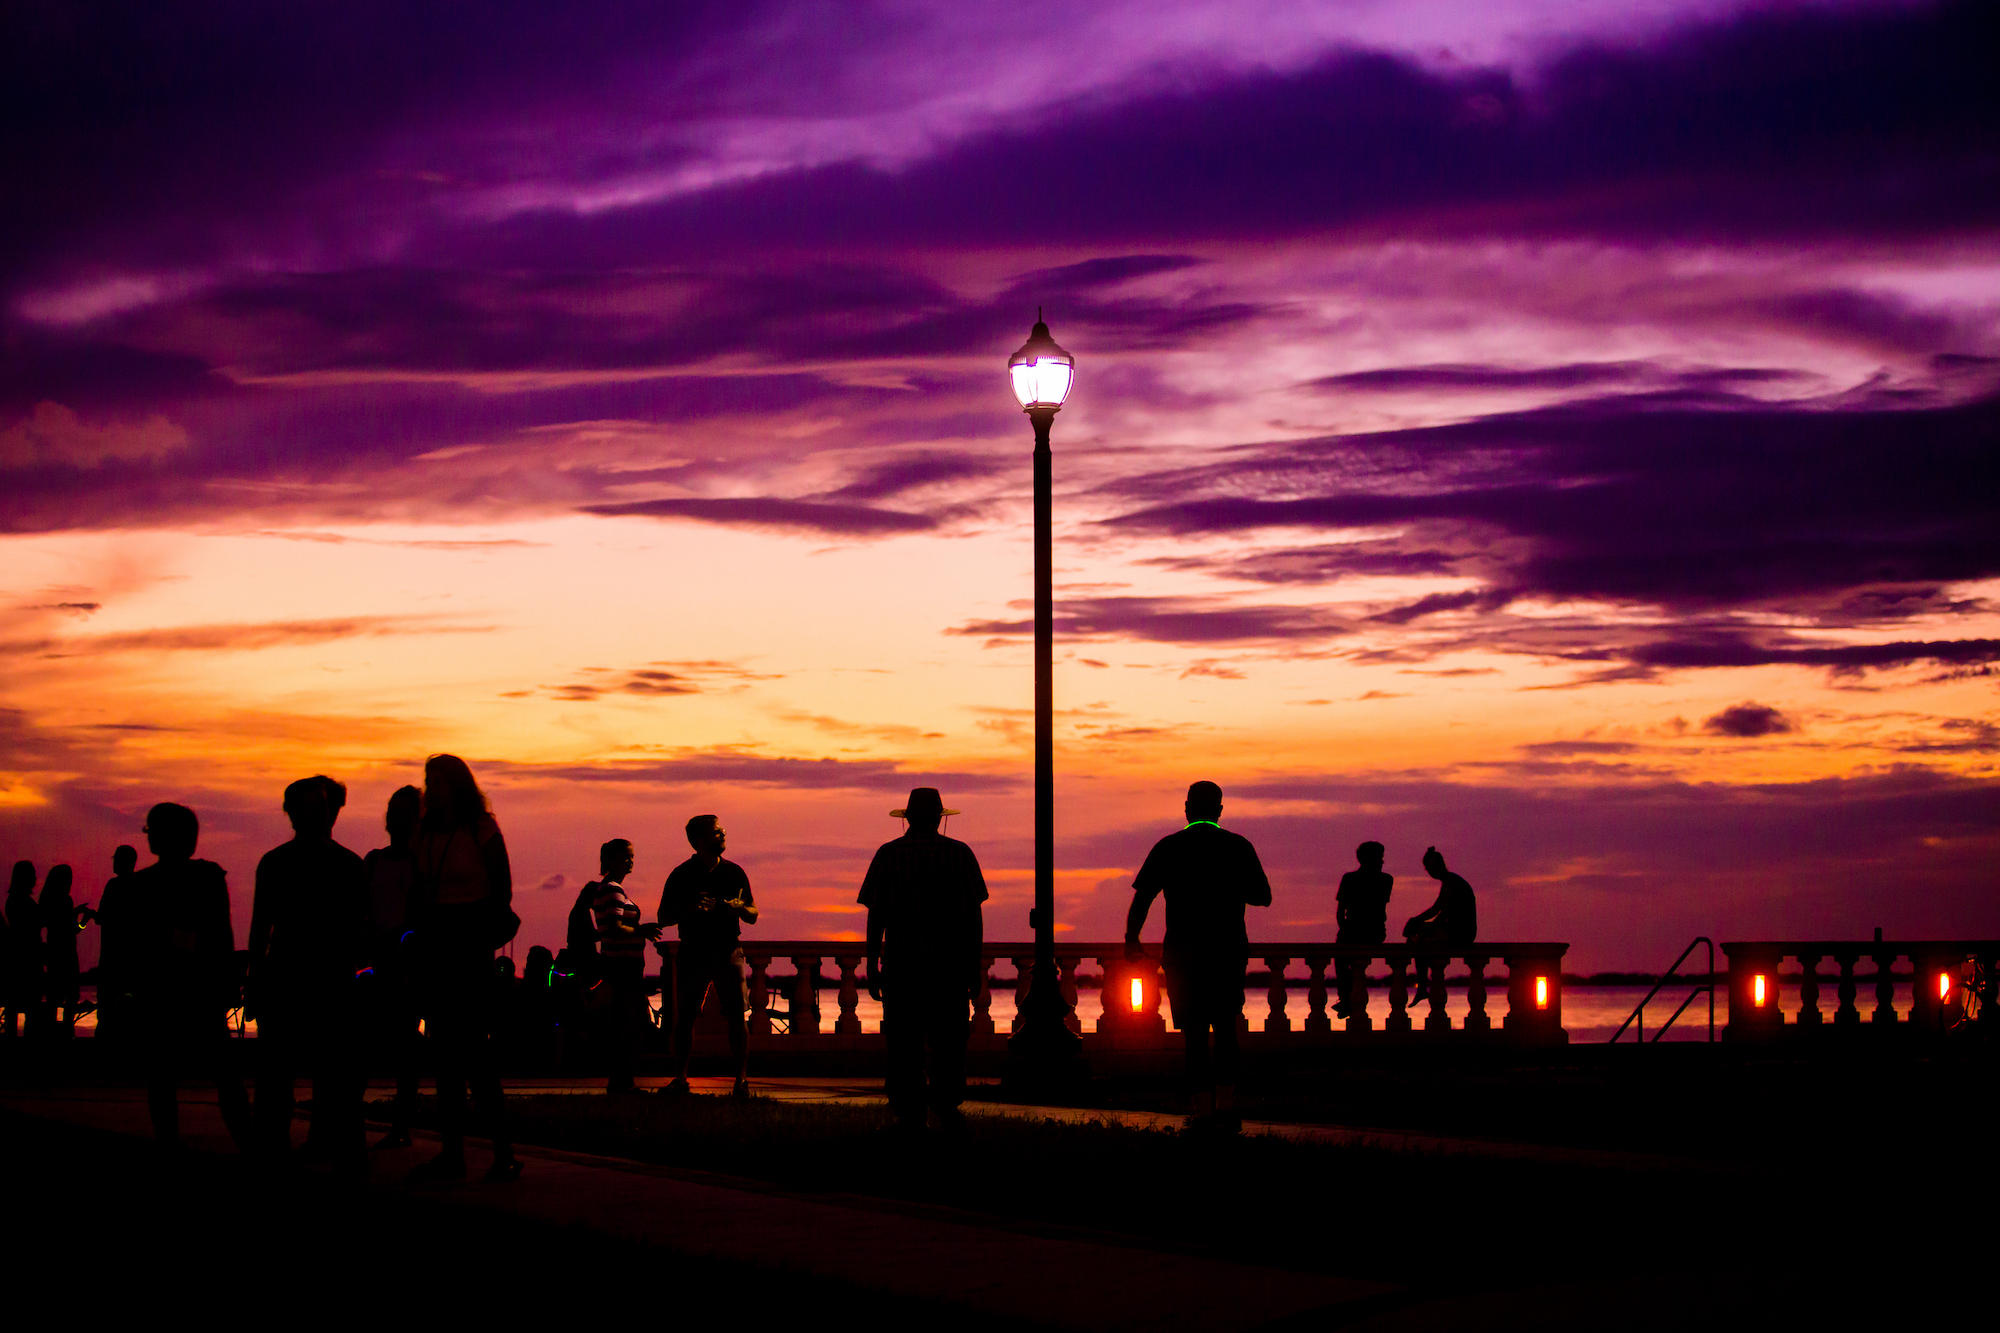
[(1209, 876)]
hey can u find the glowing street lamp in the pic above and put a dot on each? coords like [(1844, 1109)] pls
[(1043, 1048), (1042, 373)]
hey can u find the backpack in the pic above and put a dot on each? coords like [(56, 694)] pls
[(582, 935), (583, 929)]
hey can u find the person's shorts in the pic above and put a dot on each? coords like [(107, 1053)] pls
[(1205, 990), (695, 970)]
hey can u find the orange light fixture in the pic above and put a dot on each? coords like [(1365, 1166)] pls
[(1541, 992), (1138, 995), (1944, 987), (1757, 990)]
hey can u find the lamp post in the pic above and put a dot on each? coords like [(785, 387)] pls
[(1043, 1049)]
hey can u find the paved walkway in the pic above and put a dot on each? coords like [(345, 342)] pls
[(868, 1092), (1046, 1275)]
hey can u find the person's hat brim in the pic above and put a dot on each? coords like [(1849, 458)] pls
[(905, 814)]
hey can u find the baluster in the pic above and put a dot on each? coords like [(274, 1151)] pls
[(1399, 993), (1885, 989), (982, 1007), (760, 996), (805, 995), (1113, 1004), (1069, 966), (1439, 1018), (1809, 1015), (1276, 1020), (1475, 994), (849, 1022), (1024, 975), (1316, 1018), (1357, 991), (1846, 1015)]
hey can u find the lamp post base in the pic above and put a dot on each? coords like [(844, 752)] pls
[(1044, 1056)]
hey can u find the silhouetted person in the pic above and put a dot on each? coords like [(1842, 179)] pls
[(463, 912), (587, 993), (710, 900), (22, 995), (621, 950), (535, 1012), (114, 971), (1209, 876), (62, 922), (1452, 921), (182, 953), (1362, 913), (925, 927), (390, 989), (308, 939)]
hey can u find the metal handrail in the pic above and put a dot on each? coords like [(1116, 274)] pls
[(1638, 1013)]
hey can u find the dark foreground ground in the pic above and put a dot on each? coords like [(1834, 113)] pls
[(1748, 1190), (102, 1228)]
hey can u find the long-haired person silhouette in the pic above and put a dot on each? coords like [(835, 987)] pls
[(389, 997), (21, 959), (462, 911), (61, 976)]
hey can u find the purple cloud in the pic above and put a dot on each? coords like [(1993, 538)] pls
[(1729, 505), (1750, 720), (833, 520), (736, 767), (1182, 620)]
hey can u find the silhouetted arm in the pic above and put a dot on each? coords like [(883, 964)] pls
[(975, 924), (215, 937), (872, 887), (1145, 887), (1257, 885), (1135, 916), (263, 905), (874, 974)]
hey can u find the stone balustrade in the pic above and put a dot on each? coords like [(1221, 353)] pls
[(786, 1011), (1940, 972)]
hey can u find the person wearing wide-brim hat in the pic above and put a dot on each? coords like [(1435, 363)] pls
[(925, 927)]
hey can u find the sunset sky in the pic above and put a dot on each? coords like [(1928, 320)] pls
[(1563, 431)]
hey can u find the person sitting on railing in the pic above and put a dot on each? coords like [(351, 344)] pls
[(710, 900), (1451, 921), (1209, 876), (925, 927), (1362, 913)]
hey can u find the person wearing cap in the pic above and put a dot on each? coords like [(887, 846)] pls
[(710, 900), (1208, 875), (925, 927)]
